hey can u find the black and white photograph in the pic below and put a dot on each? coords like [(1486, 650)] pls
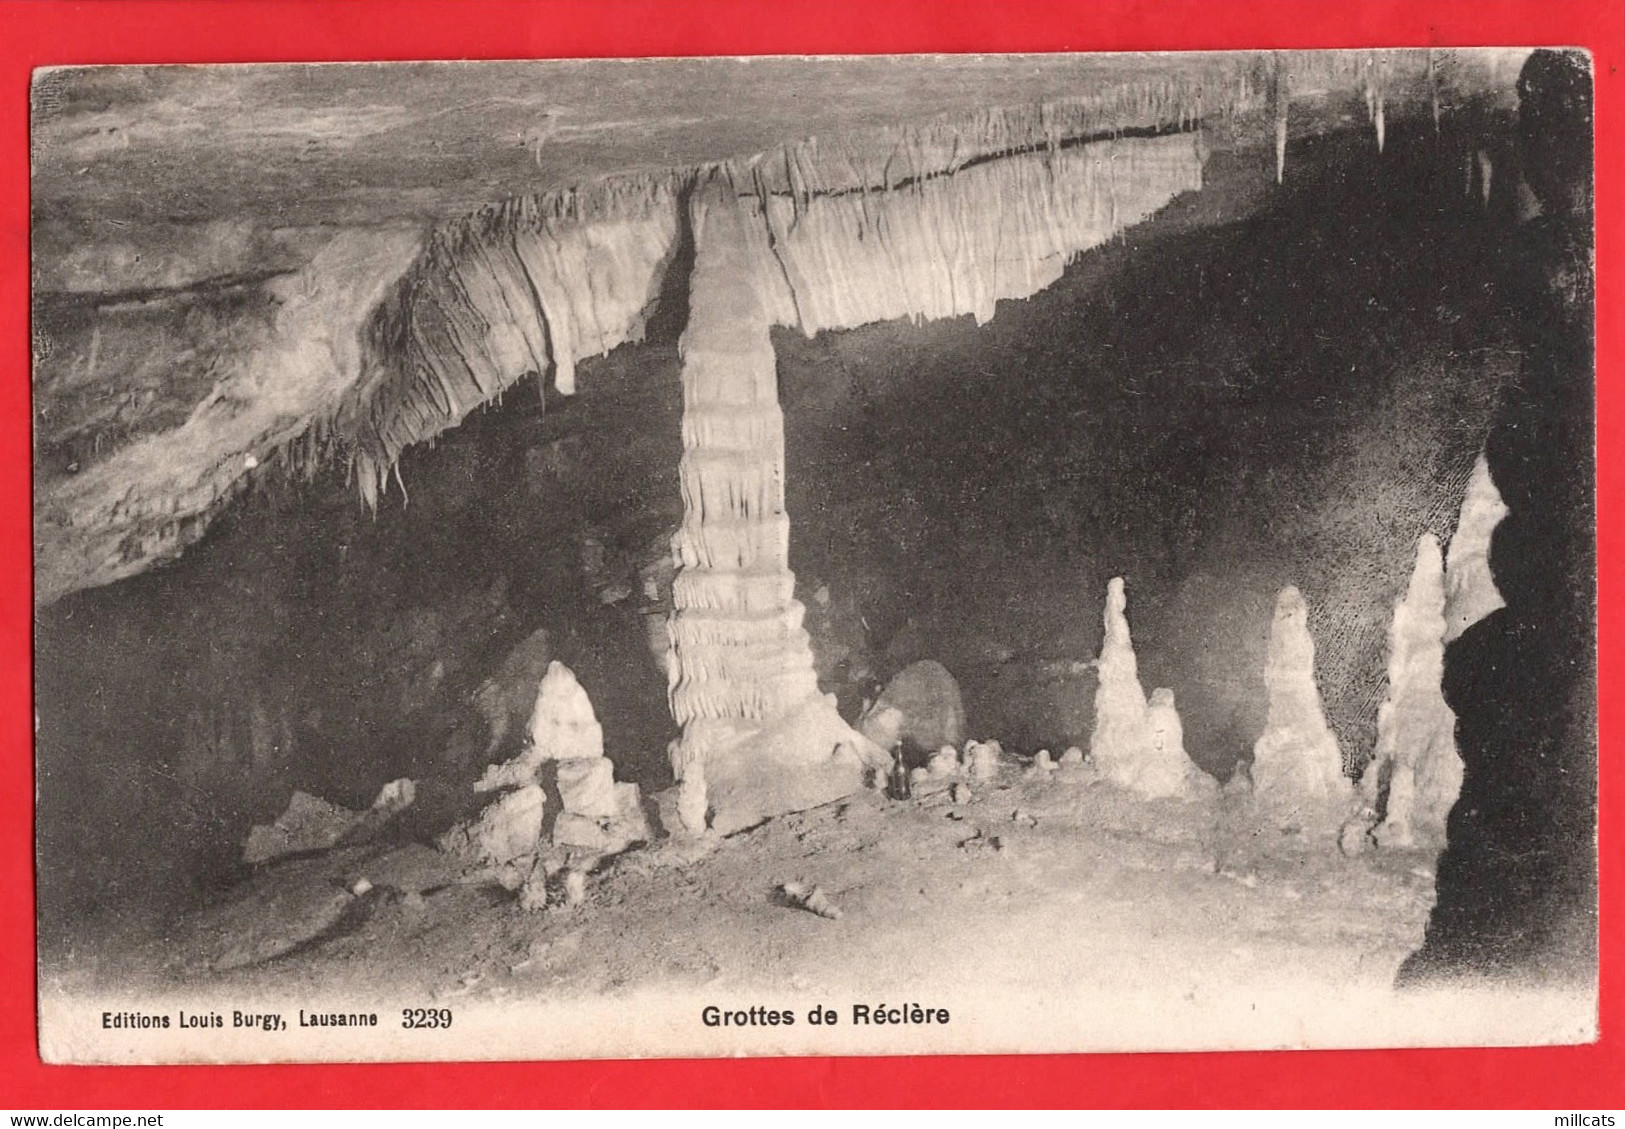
[(826, 555)]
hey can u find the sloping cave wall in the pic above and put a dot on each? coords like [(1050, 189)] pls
[(957, 491)]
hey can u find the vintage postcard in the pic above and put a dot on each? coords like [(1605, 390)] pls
[(852, 555)]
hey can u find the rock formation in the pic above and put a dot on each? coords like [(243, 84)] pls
[(920, 707), (945, 248), (743, 686), (531, 285), (562, 727), (741, 661), (1415, 776), (277, 386), (1297, 770), (1135, 745), (376, 338), (1470, 591), (1517, 882), (508, 830), (596, 813), (313, 824), (980, 760)]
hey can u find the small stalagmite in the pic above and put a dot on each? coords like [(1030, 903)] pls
[(562, 727), (980, 760), (1297, 770), (1134, 746), (596, 812), (1470, 591), (944, 762), (1415, 776), (1168, 746)]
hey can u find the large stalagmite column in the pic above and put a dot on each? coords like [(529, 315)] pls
[(743, 686)]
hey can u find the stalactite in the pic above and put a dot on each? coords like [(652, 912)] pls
[(1379, 111), (958, 245), (1370, 87), (1433, 88), (1280, 99), (528, 286)]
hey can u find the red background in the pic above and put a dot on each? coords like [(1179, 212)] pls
[(110, 31)]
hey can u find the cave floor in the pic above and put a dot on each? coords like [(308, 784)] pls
[(1051, 913)]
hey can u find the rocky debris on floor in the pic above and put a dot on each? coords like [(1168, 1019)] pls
[(508, 829), (412, 868), (920, 707), (549, 883), (1297, 769), (810, 898), (314, 824)]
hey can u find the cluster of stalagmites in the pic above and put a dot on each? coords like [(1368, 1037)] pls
[(562, 755), (758, 738), (1296, 780)]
